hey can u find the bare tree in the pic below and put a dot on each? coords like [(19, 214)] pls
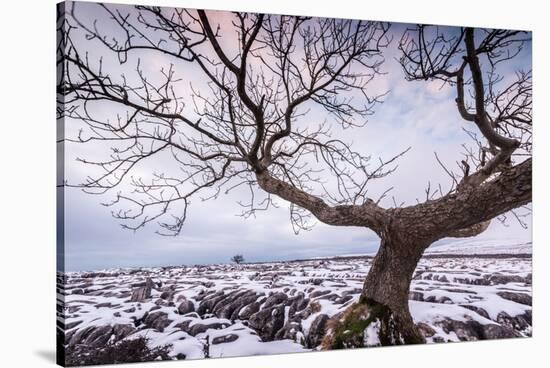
[(237, 258), (246, 125)]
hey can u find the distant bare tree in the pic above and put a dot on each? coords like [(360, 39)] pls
[(247, 125), (237, 258)]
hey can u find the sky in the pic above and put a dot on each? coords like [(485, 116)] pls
[(420, 115)]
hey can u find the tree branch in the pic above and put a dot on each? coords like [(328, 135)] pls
[(367, 215)]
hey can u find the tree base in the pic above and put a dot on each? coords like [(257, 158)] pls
[(368, 324)]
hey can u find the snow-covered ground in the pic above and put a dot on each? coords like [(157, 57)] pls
[(228, 310)]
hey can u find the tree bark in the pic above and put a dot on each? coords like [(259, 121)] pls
[(388, 281), (367, 215), (382, 316)]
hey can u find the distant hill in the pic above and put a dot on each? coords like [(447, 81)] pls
[(482, 247)]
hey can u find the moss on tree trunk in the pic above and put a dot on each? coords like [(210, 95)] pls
[(367, 324)]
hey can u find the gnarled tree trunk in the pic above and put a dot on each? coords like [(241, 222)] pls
[(387, 285), (388, 281), (382, 316)]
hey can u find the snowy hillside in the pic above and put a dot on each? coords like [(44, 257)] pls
[(483, 247)]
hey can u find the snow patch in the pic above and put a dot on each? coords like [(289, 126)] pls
[(371, 335)]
